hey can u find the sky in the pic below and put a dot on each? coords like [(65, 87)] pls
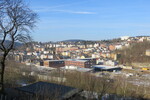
[(90, 19)]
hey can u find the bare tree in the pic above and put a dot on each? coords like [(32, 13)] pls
[(104, 85), (16, 21)]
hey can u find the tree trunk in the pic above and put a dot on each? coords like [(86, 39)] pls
[(100, 96), (2, 73), (2, 76)]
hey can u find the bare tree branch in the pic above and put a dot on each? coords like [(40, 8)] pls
[(16, 21)]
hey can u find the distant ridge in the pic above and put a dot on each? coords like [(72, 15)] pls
[(73, 40), (16, 44)]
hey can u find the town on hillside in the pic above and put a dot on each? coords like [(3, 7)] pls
[(77, 53), (73, 63), (107, 56), (78, 65)]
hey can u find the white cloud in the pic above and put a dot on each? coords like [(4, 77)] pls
[(50, 9), (74, 12), (44, 9)]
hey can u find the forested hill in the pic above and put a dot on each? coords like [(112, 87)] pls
[(134, 53)]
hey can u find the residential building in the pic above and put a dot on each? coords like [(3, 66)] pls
[(147, 53)]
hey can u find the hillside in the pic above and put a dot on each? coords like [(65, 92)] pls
[(134, 53), (16, 44)]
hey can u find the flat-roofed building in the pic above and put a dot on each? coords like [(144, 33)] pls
[(54, 63), (78, 63), (92, 61), (106, 68)]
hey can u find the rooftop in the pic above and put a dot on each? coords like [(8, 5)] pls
[(84, 69), (53, 60), (49, 89), (77, 60), (104, 67)]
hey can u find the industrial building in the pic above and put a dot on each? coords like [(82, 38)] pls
[(106, 68), (81, 63), (53, 63), (77, 63)]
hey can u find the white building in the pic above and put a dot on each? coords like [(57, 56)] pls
[(124, 37)]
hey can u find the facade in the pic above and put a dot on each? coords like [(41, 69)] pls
[(124, 37), (92, 61), (54, 63), (110, 63), (78, 63), (112, 47), (147, 53)]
